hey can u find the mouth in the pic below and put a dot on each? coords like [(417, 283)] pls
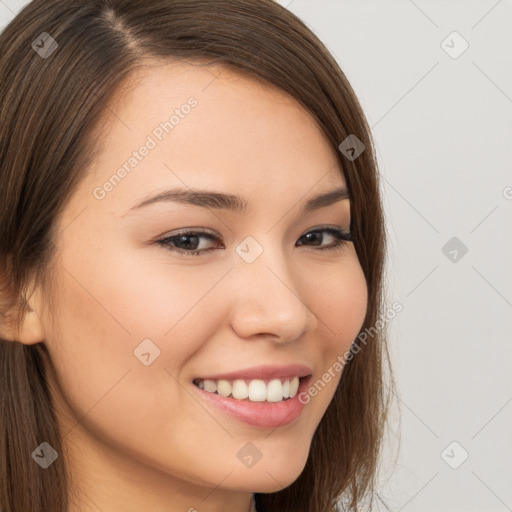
[(253, 390), (259, 402)]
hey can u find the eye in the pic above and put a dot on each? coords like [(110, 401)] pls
[(341, 238), (188, 243), (187, 240)]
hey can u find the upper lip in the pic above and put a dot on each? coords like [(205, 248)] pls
[(263, 372)]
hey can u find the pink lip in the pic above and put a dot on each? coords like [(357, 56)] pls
[(259, 414), (264, 372)]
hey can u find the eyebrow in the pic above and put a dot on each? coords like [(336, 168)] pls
[(235, 203)]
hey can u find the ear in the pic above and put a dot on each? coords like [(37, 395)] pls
[(31, 328)]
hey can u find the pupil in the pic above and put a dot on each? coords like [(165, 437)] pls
[(183, 238), (317, 235)]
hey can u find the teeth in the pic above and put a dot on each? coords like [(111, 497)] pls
[(240, 390), (294, 386), (210, 385), (255, 390), (274, 391), (286, 389), (224, 388)]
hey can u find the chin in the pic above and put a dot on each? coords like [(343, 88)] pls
[(276, 475), (274, 482)]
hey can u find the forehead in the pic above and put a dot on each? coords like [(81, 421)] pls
[(209, 126)]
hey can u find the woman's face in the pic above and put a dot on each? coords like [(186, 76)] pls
[(135, 322)]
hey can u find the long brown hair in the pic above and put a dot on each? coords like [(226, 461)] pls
[(51, 106)]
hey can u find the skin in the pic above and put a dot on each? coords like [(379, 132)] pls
[(135, 436)]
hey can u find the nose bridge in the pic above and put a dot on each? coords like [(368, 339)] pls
[(268, 299)]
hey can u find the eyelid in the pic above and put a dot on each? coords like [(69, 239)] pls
[(207, 232), (342, 236)]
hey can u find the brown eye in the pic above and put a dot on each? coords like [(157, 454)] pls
[(187, 243), (341, 238)]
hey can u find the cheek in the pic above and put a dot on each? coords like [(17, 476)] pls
[(124, 300), (341, 301), (102, 385), (107, 306)]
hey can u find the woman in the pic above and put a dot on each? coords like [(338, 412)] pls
[(192, 241)]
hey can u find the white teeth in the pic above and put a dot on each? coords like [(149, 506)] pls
[(274, 391), (256, 390), (224, 387), (210, 385), (294, 386), (240, 390), (286, 389)]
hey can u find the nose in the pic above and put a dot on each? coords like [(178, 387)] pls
[(269, 300)]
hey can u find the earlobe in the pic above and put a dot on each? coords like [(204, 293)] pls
[(30, 330)]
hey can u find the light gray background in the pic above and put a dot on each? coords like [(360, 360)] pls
[(443, 133)]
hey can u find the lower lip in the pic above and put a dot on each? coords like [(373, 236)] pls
[(258, 414)]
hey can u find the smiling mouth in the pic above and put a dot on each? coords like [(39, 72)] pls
[(253, 390)]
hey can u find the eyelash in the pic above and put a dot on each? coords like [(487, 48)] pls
[(342, 238)]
